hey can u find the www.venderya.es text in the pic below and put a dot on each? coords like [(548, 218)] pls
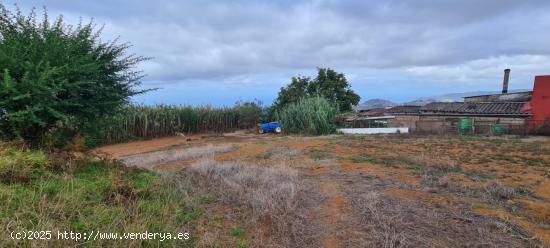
[(97, 235)]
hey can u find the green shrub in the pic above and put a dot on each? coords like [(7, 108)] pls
[(56, 76), (237, 231), (314, 115), (21, 165)]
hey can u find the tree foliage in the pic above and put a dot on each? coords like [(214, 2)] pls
[(58, 76), (328, 84)]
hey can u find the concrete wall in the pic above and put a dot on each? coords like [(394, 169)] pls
[(482, 125), (437, 124), (373, 130), (404, 121)]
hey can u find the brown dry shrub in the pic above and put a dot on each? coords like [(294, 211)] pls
[(121, 194), (275, 196), (499, 192), (395, 222), (442, 164)]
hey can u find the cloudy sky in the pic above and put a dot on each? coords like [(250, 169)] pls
[(218, 52)]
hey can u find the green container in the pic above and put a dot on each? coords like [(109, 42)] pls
[(498, 129), (466, 125)]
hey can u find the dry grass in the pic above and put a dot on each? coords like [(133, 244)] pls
[(432, 188), (274, 195), (146, 160), (500, 192), (263, 189), (384, 228), (432, 179), (435, 163), (393, 222), (279, 153)]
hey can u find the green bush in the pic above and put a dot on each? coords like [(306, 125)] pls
[(55, 76), (314, 115), (21, 165)]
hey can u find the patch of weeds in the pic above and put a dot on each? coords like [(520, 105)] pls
[(318, 154), (497, 142), (18, 165), (514, 208), (465, 159), (190, 216), (242, 214), (365, 159), (265, 155), (242, 244), (121, 194), (434, 179), (237, 231), (524, 191), (143, 180), (500, 194), (484, 160), (95, 195), (207, 199), (444, 165), (467, 138), (536, 161), (507, 158), (480, 205), (51, 188), (500, 142), (218, 217), (478, 176), (415, 167)]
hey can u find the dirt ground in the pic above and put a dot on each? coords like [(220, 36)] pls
[(398, 191)]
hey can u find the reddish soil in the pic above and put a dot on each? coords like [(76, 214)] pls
[(334, 161), (136, 147)]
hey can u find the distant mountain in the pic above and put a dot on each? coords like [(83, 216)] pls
[(376, 103), (454, 97)]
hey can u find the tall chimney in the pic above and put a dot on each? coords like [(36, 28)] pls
[(505, 81)]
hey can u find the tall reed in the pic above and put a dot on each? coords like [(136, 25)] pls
[(143, 122), (314, 115)]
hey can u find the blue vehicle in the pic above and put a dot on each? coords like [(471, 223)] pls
[(270, 127)]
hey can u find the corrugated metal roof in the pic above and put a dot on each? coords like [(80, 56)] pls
[(511, 93), (475, 108), (404, 110)]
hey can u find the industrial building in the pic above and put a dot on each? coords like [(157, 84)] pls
[(484, 114)]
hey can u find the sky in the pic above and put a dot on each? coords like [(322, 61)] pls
[(220, 52)]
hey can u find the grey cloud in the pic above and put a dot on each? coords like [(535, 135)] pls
[(225, 39)]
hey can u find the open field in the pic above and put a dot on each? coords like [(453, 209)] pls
[(358, 191)]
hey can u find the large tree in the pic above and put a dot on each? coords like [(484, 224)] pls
[(329, 84), (298, 88), (54, 75)]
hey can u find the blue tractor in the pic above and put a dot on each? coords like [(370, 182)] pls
[(270, 127)]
